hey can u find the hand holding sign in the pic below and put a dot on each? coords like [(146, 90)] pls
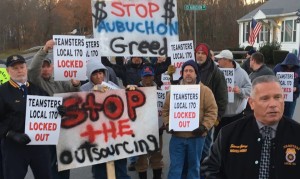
[(20, 138)]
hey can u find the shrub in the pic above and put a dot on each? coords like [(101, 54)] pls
[(267, 50), (279, 56)]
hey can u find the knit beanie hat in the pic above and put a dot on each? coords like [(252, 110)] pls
[(191, 63), (202, 47)]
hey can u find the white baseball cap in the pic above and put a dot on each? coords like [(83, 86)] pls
[(225, 54)]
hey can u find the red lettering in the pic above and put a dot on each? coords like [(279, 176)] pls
[(74, 115), (113, 107), (92, 106), (184, 115), (152, 8), (118, 6), (178, 64), (184, 123), (142, 10), (123, 125), (108, 129), (42, 126), (41, 137), (70, 73), (135, 98), (70, 63)]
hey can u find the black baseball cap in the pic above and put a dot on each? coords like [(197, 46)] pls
[(13, 59)]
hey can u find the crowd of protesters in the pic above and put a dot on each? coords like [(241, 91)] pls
[(230, 141)]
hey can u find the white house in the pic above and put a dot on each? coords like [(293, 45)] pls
[(279, 24)]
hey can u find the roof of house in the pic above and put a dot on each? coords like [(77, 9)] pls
[(274, 7)]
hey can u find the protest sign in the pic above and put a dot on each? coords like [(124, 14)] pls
[(69, 57), (135, 28), (229, 77), (4, 76), (161, 98), (101, 127), (166, 82), (287, 83), (42, 119), (184, 107), (181, 52), (92, 49)]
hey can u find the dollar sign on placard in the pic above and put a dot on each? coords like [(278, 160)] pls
[(169, 13), (100, 13)]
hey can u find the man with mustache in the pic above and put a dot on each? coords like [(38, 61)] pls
[(263, 145)]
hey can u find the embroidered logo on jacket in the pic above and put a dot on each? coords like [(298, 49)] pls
[(290, 154)]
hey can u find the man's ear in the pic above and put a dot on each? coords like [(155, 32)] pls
[(181, 73), (251, 102)]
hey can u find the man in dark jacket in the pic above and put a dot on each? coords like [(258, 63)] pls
[(213, 77), (17, 155), (262, 145), (290, 64)]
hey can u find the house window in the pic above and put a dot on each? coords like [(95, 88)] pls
[(246, 29), (264, 34), (288, 31)]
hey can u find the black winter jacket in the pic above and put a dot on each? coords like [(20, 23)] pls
[(13, 106), (237, 150)]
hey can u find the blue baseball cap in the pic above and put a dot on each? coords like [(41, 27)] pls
[(147, 71)]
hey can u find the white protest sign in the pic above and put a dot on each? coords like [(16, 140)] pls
[(181, 52), (42, 123), (101, 127), (166, 82), (92, 49), (69, 57), (184, 107), (287, 83), (161, 98), (135, 27), (229, 77)]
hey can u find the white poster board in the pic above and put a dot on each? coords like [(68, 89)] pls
[(166, 82), (161, 98), (135, 27), (42, 123), (181, 52), (109, 126), (69, 54), (93, 49), (184, 107), (229, 77), (287, 83)]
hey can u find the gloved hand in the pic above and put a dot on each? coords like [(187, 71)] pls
[(200, 130), (171, 70), (61, 110), (20, 138), (168, 129)]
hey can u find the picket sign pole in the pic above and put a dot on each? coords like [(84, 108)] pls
[(110, 170), (110, 166)]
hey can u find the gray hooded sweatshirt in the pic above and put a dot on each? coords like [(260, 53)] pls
[(92, 66)]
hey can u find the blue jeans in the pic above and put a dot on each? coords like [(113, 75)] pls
[(289, 108), (185, 148), (99, 170), (207, 144)]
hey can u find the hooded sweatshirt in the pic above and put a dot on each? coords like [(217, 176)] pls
[(291, 59), (92, 66)]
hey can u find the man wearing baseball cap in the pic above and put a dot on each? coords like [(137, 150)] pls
[(17, 155), (241, 90)]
